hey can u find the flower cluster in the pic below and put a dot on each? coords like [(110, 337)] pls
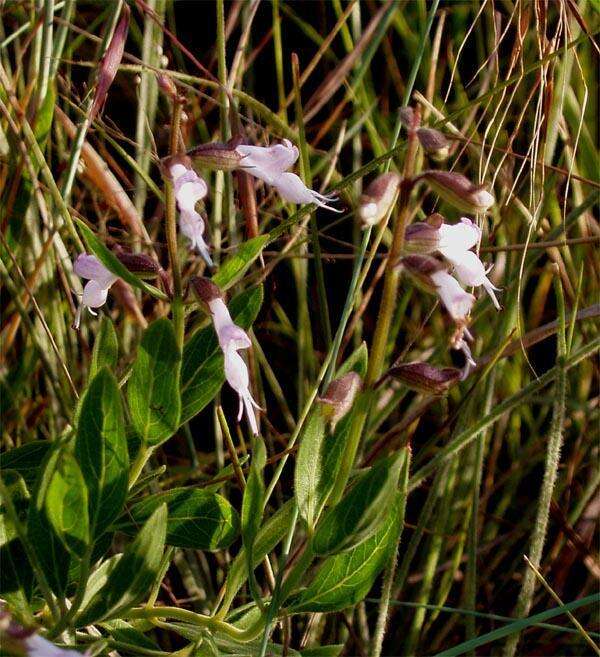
[(232, 339)]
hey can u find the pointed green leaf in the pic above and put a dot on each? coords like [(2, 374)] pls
[(344, 579), (106, 347), (101, 449), (308, 475), (198, 519), (66, 504), (26, 460), (132, 578), (51, 553), (361, 510), (153, 388), (202, 372), (236, 265)]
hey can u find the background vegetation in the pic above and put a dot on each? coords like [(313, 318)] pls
[(504, 465)]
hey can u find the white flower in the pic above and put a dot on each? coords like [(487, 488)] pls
[(470, 272), (458, 238), (37, 646), (232, 338), (96, 289), (236, 373), (227, 331), (270, 164), (189, 189), (455, 299)]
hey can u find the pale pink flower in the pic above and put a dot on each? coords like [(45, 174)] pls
[(189, 189), (95, 291), (458, 238), (270, 164), (232, 338), (37, 646), (457, 302), (471, 272)]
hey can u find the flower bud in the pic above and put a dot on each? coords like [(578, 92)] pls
[(423, 236), (205, 289), (340, 395), (378, 198), (458, 190), (426, 378), (139, 263), (421, 269), (434, 143), (166, 85), (223, 157), (407, 116)]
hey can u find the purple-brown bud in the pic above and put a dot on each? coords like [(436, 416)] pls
[(434, 143), (423, 236), (205, 289), (340, 396), (420, 268), (458, 190), (139, 263), (167, 86), (378, 199), (425, 378), (215, 155), (109, 64), (407, 117)]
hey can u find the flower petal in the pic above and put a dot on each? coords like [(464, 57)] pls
[(88, 266), (94, 295), (471, 272), (191, 225), (268, 162), (292, 189), (460, 237), (457, 302)]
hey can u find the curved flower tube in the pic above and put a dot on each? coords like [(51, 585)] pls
[(457, 302), (470, 272), (189, 189), (236, 373)]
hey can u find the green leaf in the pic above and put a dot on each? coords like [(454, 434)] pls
[(252, 504), (345, 579), (202, 367), (101, 449), (268, 536), (236, 265), (106, 347), (98, 578), (16, 574), (153, 388), (66, 504), (357, 362), (252, 509), (361, 511), (51, 553), (317, 465), (113, 264), (198, 519), (309, 475), (26, 460), (132, 578)]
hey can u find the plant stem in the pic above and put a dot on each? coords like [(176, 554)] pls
[(171, 231), (540, 527), (144, 453)]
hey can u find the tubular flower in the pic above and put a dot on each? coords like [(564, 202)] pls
[(37, 646), (457, 302), (458, 190), (470, 272), (95, 291), (378, 199), (189, 189), (231, 338), (270, 164), (458, 238)]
